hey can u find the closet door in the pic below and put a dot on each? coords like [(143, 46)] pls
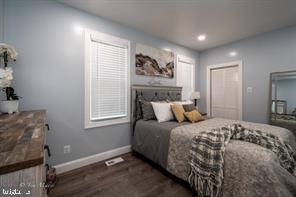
[(225, 92)]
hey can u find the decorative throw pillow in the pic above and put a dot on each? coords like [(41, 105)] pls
[(189, 107), (193, 116), (147, 110), (162, 111), (178, 111)]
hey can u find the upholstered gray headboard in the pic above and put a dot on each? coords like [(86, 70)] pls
[(151, 93)]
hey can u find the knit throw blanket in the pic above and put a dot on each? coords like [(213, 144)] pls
[(207, 155)]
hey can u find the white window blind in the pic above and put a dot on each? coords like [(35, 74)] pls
[(108, 80), (186, 76)]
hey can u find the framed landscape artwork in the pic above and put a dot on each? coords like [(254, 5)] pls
[(154, 62)]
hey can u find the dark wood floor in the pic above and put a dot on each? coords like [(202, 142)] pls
[(133, 178)]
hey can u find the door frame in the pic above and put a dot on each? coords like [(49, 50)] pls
[(240, 92), (184, 59)]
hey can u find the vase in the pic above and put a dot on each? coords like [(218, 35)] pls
[(9, 106)]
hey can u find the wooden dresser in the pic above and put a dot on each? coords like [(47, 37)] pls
[(22, 159)]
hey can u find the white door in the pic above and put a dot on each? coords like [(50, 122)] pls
[(225, 92), (185, 76)]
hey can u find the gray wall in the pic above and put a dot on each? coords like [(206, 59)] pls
[(261, 55), (49, 72), (2, 95), (286, 90), (1, 19)]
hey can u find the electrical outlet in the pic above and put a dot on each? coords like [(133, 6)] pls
[(67, 149)]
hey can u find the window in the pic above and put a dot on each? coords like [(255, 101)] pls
[(186, 76), (107, 80)]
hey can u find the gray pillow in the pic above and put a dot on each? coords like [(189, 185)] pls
[(189, 107), (147, 110)]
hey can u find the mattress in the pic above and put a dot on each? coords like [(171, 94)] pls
[(151, 139)]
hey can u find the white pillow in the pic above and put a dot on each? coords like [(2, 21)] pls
[(182, 102), (162, 111)]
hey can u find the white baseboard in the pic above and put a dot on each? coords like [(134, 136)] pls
[(71, 165)]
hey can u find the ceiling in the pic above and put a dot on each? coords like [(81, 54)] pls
[(180, 21)]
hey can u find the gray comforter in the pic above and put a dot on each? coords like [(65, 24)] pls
[(249, 170)]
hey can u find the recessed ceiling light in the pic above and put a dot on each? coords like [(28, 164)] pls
[(201, 37), (233, 54)]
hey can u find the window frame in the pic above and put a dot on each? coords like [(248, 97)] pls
[(89, 36)]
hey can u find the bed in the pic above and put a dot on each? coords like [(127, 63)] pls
[(249, 169)]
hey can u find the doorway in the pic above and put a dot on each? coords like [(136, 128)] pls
[(224, 90)]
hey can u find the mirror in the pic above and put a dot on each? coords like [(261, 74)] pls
[(283, 100)]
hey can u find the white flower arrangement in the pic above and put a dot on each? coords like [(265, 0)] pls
[(5, 77), (11, 52), (7, 52)]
